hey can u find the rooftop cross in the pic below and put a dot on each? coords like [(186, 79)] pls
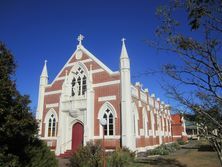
[(123, 40), (80, 38)]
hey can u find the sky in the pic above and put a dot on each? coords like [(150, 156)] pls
[(37, 30)]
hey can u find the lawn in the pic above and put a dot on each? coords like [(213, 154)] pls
[(189, 156), (185, 157)]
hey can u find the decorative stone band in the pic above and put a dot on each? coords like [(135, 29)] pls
[(52, 105), (106, 83), (108, 137), (106, 98), (53, 92)]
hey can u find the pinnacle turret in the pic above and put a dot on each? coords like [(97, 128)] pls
[(44, 70), (124, 53)]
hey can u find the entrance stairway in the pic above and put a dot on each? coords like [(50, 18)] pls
[(66, 154)]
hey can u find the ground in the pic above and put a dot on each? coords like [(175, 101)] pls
[(188, 156)]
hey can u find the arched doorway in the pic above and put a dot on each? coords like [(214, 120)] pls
[(77, 136)]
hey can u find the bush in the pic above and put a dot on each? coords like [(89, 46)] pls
[(121, 157), (37, 153), (87, 156), (164, 149), (181, 142)]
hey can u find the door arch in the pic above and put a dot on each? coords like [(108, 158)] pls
[(77, 136)]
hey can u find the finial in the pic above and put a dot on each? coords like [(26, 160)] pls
[(123, 40), (80, 38), (46, 61)]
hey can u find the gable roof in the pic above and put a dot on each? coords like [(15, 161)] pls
[(88, 53)]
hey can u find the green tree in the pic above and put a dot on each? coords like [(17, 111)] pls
[(19, 144), (192, 31)]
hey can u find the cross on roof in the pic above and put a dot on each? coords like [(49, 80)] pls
[(123, 40), (80, 38)]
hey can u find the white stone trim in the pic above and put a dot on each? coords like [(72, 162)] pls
[(48, 138), (60, 78), (53, 92), (97, 70), (52, 105), (82, 61), (106, 98), (134, 92), (143, 97), (106, 83), (107, 137), (177, 136), (98, 61)]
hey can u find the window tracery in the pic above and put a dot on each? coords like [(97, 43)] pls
[(79, 83)]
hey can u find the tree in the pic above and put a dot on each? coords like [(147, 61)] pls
[(199, 71), (19, 144)]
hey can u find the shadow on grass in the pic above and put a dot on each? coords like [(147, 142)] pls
[(205, 148), (162, 162)]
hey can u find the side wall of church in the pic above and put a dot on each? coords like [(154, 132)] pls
[(154, 120)]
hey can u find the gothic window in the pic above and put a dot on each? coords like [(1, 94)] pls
[(84, 85), (135, 121), (52, 126), (79, 85), (145, 123), (73, 84), (109, 127)]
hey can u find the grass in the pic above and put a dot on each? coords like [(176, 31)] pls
[(195, 154), (185, 157)]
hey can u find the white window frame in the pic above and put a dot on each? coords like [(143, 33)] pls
[(46, 121), (103, 108)]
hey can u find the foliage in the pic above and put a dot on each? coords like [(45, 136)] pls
[(87, 156), (164, 149), (121, 157), (180, 142), (196, 41), (19, 145)]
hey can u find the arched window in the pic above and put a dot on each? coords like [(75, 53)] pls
[(145, 123), (108, 128), (52, 126), (135, 120), (79, 84), (108, 112)]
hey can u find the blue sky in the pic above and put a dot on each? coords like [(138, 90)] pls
[(35, 30)]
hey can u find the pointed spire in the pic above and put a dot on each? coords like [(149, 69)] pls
[(44, 71), (124, 53)]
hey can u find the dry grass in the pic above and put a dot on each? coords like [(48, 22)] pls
[(186, 157)]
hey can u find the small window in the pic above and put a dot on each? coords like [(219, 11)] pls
[(52, 126), (109, 127)]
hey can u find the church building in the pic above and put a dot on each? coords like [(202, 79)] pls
[(87, 100)]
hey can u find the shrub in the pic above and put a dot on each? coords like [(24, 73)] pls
[(37, 153), (87, 156), (121, 157), (181, 142), (160, 150), (164, 149)]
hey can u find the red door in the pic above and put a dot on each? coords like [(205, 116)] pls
[(77, 136)]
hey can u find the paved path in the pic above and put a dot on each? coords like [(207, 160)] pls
[(63, 162)]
